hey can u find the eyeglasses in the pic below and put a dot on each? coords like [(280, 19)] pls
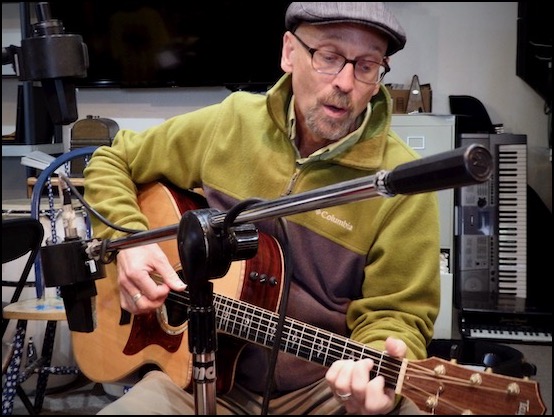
[(331, 63)]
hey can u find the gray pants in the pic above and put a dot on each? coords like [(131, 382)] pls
[(157, 394)]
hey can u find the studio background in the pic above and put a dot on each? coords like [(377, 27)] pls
[(459, 48)]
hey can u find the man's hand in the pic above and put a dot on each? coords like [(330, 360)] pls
[(139, 293), (350, 381)]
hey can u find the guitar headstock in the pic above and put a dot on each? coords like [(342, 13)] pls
[(445, 388)]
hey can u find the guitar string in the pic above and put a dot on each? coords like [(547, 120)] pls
[(381, 354), (231, 317), (442, 402), (313, 335), (453, 380), (338, 353), (414, 372), (418, 373), (335, 349), (445, 406)]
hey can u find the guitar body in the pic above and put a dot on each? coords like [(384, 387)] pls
[(122, 343)]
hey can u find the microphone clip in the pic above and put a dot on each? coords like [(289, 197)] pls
[(68, 266)]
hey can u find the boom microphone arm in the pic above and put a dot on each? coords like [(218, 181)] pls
[(451, 169)]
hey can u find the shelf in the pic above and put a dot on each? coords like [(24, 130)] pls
[(78, 182), (22, 150)]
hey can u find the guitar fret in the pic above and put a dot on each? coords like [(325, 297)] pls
[(290, 341), (310, 346), (312, 343), (306, 341), (318, 350), (244, 324), (224, 317), (269, 331), (257, 332)]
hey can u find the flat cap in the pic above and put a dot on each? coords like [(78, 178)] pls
[(375, 15)]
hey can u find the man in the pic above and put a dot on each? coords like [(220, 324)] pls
[(367, 270)]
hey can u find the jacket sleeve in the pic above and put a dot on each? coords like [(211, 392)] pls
[(401, 289), (171, 151)]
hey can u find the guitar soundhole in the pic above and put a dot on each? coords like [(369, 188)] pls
[(176, 306), (176, 309)]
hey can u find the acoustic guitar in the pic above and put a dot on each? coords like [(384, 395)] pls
[(245, 301)]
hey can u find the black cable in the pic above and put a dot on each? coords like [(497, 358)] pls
[(232, 214), (274, 353), (282, 315), (89, 208)]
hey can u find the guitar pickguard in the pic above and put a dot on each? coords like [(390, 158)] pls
[(146, 331)]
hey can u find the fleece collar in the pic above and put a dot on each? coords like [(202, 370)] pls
[(365, 153)]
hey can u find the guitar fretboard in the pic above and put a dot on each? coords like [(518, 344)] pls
[(307, 342)]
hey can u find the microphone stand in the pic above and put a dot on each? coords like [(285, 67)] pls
[(208, 240)]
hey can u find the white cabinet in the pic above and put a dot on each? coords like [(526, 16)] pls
[(428, 135), (431, 134), (14, 175)]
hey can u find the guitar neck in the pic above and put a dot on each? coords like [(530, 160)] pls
[(434, 384), (257, 325)]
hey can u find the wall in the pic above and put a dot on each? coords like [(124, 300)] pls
[(459, 48)]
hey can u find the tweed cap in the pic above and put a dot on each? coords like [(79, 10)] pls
[(375, 15)]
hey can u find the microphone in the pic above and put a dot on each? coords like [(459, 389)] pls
[(68, 266), (68, 213), (456, 168), (53, 58)]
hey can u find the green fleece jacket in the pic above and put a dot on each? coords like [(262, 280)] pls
[(365, 270)]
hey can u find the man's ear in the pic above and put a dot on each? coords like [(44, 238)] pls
[(286, 59)]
